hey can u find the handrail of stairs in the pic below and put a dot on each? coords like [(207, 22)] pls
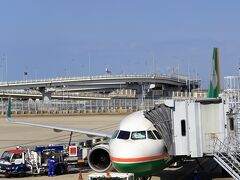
[(227, 156)]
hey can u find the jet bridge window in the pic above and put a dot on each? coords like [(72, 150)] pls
[(231, 119), (138, 135), (183, 127), (123, 135)]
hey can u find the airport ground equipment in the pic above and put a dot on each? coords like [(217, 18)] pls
[(111, 176), (76, 155), (21, 162), (13, 162)]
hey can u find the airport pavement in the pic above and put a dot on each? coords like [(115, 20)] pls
[(12, 135)]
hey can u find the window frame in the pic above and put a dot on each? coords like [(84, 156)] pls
[(157, 134), (152, 134), (120, 133), (115, 134), (138, 132)]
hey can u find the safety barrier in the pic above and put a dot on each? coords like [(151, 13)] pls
[(81, 106)]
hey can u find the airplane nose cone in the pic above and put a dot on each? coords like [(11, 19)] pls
[(140, 157)]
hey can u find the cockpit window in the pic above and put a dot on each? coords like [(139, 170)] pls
[(6, 156), (138, 135), (150, 135), (157, 134), (123, 135), (115, 134)]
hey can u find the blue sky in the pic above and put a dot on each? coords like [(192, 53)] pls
[(52, 38)]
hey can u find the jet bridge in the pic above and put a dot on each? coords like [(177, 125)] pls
[(200, 128), (188, 127)]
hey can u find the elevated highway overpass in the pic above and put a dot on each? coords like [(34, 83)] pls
[(141, 84)]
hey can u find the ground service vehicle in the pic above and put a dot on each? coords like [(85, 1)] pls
[(20, 162), (77, 156)]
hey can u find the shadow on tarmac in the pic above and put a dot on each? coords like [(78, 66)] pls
[(206, 169)]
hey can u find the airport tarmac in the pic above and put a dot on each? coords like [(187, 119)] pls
[(12, 135)]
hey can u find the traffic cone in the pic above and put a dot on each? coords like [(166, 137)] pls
[(80, 176), (108, 174)]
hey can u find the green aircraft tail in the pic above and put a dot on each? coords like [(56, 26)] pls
[(215, 83)]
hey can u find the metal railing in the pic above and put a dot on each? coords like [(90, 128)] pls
[(172, 77), (67, 94), (227, 157), (80, 106)]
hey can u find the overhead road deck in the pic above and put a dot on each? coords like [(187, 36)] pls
[(94, 81), (141, 86)]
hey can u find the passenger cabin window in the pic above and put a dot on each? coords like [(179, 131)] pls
[(157, 134), (150, 135), (123, 135), (183, 127), (138, 135), (115, 134)]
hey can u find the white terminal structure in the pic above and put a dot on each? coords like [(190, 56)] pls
[(200, 128)]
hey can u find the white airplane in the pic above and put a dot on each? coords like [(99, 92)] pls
[(135, 147)]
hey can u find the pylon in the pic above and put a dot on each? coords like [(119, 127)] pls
[(80, 176), (108, 174)]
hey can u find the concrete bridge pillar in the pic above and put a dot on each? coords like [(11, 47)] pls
[(46, 93), (47, 96)]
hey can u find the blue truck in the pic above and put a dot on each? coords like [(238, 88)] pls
[(19, 162)]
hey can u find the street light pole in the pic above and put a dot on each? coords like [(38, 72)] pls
[(89, 65)]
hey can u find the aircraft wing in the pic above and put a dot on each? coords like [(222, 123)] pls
[(88, 132)]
